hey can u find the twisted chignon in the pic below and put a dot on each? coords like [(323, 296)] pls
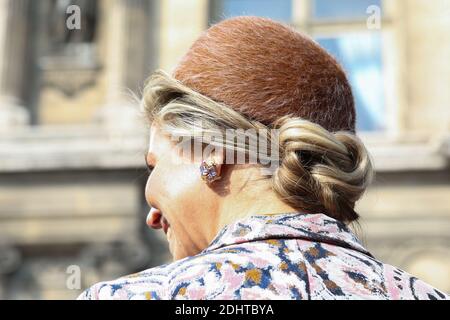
[(321, 171)]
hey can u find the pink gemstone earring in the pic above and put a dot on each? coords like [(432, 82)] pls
[(209, 171)]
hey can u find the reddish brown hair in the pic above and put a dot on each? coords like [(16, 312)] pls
[(266, 70)]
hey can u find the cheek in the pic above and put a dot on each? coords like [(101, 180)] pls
[(168, 182), (185, 205), (181, 181), (176, 185), (177, 189)]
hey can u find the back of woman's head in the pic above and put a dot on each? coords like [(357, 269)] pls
[(253, 73)]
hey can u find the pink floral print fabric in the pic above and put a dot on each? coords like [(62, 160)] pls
[(283, 256)]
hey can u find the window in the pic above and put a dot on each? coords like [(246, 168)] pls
[(280, 10), (341, 9), (340, 27), (360, 55)]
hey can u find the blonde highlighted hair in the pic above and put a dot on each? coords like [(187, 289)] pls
[(319, 171)]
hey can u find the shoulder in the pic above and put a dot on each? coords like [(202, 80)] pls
[(217, 274), (403, 285), (148, 284), (163, 282)]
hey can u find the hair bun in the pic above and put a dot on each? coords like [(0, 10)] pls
[(321, 171)]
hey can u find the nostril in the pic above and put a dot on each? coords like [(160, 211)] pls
[(154, 219)]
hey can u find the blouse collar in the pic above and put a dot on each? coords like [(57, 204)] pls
[(293, 225)]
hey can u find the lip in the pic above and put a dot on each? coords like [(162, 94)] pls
[(165, 224)]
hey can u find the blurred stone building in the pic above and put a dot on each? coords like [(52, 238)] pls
[(72, 141)]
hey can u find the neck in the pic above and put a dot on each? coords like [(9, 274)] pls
[(257, 199)]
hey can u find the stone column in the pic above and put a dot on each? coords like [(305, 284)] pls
[(129, 59), (181, 23), (13, 39), (428, 63)]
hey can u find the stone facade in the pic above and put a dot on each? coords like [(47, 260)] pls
[(72, 141)]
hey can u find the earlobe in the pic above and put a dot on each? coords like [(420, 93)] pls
[(210, 170)]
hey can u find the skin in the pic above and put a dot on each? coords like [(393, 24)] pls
[(189, 210)]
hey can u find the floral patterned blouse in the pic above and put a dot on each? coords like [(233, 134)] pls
[(282, 256)]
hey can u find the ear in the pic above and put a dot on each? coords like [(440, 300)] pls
[(219, 161), (217, 157)]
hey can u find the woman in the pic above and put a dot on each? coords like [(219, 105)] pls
[(251, 229)]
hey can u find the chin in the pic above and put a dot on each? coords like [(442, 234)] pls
[(179, 253), (176, 257)]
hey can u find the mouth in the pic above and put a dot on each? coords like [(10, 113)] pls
[(156, 220), (165, 224)]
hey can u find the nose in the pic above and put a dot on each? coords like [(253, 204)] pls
[(154, 219)]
